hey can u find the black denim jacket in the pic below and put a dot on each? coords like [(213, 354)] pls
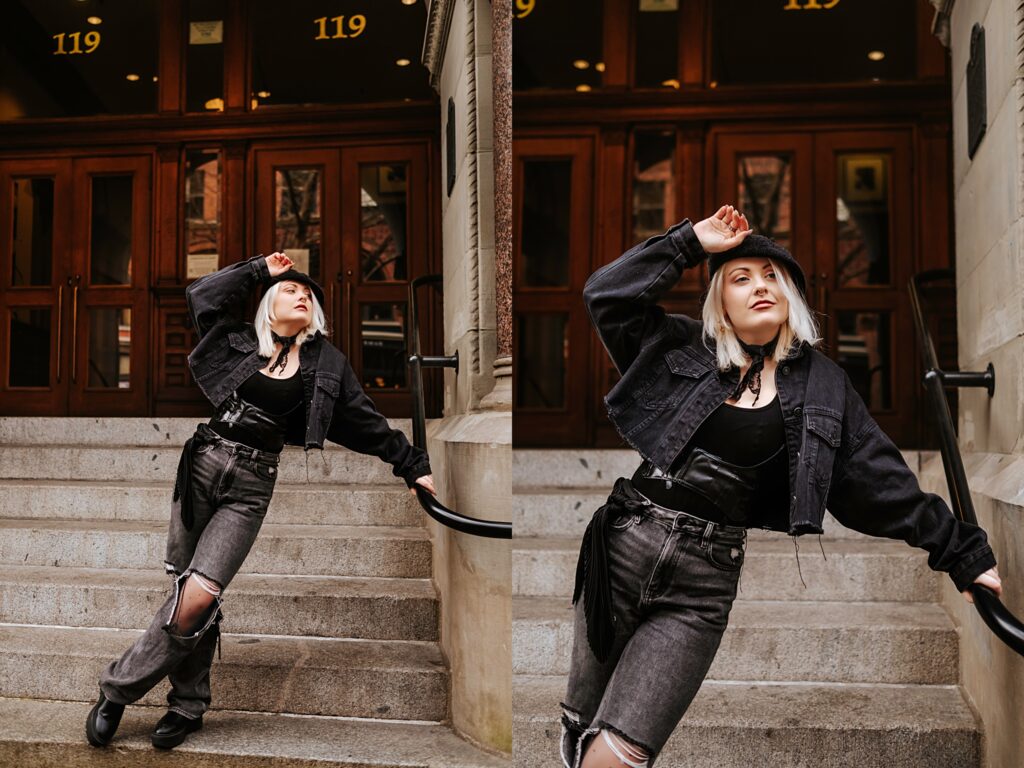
[(337, 408), (838, 455)]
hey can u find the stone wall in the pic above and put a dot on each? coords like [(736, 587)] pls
[(990, 307), (471, 446)]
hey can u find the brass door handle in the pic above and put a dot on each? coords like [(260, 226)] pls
[(74, 332), (60, 323)]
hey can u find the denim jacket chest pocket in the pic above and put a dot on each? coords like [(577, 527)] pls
[(822, 437), (325, 395), (671, 378)]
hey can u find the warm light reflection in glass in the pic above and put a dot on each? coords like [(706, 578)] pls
[(583, 88)]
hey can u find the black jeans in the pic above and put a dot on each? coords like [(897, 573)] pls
[(232, 486), (673, 579)]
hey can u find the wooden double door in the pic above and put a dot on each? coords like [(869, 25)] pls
[(843, 201), (81, 315), (74, 281), (355, 219)]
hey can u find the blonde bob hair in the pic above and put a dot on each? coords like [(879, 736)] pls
[(799, 327), (265, 316)]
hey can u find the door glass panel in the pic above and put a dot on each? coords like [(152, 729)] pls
[(557, 45), (29, 363), (547, 203), (813, 41), (382, 334), (764, 189), (202, 212), (111, 231), (337, 51), (204, 58), (541, 360), (862, 219), (865, 353), (32, 237), (657, 44), (298, 202), (110, 337), (88, 57), (654, 184), (384, 205)]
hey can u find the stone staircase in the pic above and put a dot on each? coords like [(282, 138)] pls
[(330, 635), (860, 668)]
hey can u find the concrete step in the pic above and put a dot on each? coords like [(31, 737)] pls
[(303, 675), (330, 550), (565, 512), (323, 606), (594, 468), (872, 570), (118, 430), (799, 725), (779, 640), (292, 504), (51, 734), (160, 463)]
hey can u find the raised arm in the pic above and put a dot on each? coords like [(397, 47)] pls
[(358, 425), (213, 296), (622, 297)]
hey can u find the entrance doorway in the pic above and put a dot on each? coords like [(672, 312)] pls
[(74, 280), (355, 219), (842, 202)]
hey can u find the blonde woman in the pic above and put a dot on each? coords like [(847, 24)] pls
[(274, 381), (739, 422)]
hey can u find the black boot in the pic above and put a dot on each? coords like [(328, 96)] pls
[(172, 729), (102, 722)]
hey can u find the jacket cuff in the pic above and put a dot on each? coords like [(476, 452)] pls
[(260, 268), (972, 567), (419, 470), (688, 243)]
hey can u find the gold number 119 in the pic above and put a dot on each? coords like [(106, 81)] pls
[(356, 25)]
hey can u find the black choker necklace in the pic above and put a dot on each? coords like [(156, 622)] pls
[(282, 358), (752, 378)]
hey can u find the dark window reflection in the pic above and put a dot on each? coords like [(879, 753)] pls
[(298, 203), (654, 186), (547, 202), (202, 211), (657, 44), (382, 331), (110, 341), (110, 253), (862, 219), (32, 232), (865, 353), (782, 42), (204, 57), (542, 357), (337, 51), (384, 193), (29, 361), (557, 44), (88, 57), (765, 194)]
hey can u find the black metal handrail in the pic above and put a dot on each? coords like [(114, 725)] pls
[(490, 528), (1003, 624)]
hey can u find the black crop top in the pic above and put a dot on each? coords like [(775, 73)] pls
[(274, 395), (741, 436)]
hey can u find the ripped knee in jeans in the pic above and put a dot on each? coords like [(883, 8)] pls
[(197, 603), (578, 749)]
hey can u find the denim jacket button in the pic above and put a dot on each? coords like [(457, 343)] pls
[(785, 370), (797, 411)]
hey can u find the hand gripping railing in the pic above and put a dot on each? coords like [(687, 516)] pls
[(489, 528), (1004, 624)]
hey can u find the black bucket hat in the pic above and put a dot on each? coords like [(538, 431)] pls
[(302, 277), (760, 247)]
